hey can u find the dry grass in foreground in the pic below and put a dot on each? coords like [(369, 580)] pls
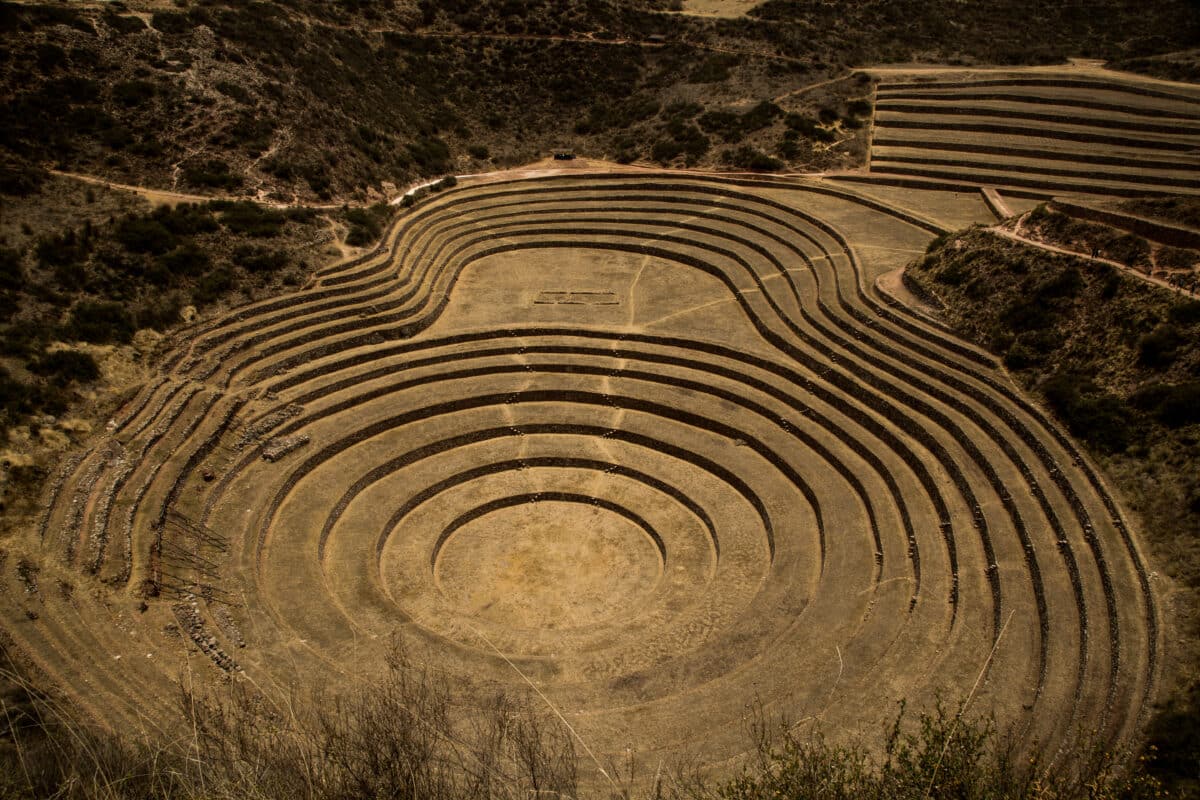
[(402, 737)]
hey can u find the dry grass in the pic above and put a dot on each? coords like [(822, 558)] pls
[(399, 737), (404, 738)]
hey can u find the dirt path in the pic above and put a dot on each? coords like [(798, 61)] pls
[(160, 196), (166, 197), (1016, 237), (891, 284), (810, 87)]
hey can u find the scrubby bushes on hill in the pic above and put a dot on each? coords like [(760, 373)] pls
[(249, 219), (67, 366), (211, 173), (732, 127), (1088, 336), (100, 322), (100, 283), (752, 159), (1178, 210), (366, 224)]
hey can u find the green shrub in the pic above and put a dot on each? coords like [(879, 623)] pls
[(937, 243), (858, 108), (186, 219), (760, 116), (714, 69), (117, 137), (303, 216), (431, 155), (1129, 249), (100, 322), (366, 224), (251, 134), (808, 127), (788, 148), (145, 235), (1030, 349), (746, 157), (1089, 412), (123, 24), (235, 91), (1022, 313), (10, 304), (685, 140), (725, 124), (260, 259), (63, 249), (49, 56), (159, 311), (1159, 348), (214, 285), (1176, 258), (279, 167), (1174, 406), (317, 178), (170, 22), (1022, 357), (1185, 312), (185, 260), (249, 218), (133, 93), (1064, 283), (212, 173), (67, 366), (20, 179), (15, 398)]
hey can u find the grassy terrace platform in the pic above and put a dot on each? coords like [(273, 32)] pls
[(1078, 131)]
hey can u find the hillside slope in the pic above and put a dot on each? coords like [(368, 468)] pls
[(333, 99)]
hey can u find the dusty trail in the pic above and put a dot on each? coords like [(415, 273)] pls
[(1051, 248), (170, 197)]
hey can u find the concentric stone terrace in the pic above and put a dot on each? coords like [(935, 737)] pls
[(653, 443), (1059, 132)]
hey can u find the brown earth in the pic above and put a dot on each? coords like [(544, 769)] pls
[(703, 460)]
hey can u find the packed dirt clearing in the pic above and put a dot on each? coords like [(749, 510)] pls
[(718, 8), (651, 442)]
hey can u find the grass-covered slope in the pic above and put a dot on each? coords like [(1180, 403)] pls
[(1118, 362)]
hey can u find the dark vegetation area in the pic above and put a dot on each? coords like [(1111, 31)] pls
[(1180, 66), (99, 282), (404, 736), (1117, 360), (1008, 32), (274, 96), (1183, 211)]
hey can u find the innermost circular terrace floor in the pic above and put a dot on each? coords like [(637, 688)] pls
[(548, 565)]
